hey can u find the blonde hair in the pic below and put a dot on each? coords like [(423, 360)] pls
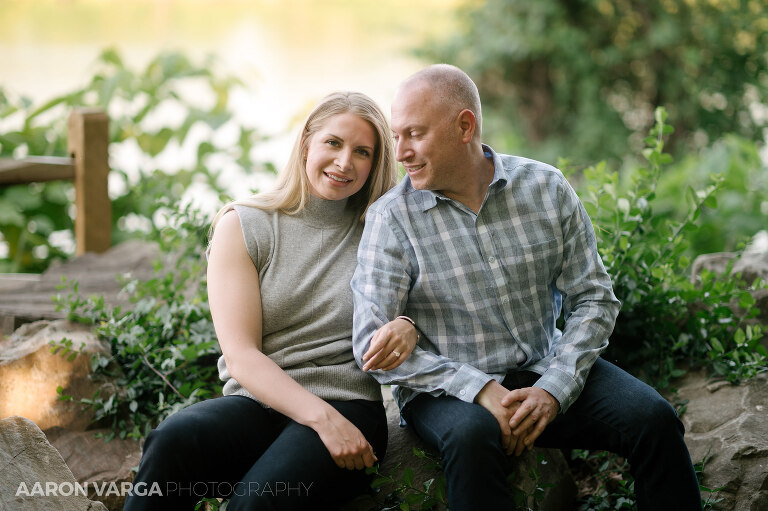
[(291, 191)]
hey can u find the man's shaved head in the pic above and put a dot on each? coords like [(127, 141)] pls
[(452, 88)]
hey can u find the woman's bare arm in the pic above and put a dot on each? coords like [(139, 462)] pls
[(235, 301)]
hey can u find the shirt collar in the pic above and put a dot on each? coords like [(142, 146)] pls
[(428, 198), (499, 176)]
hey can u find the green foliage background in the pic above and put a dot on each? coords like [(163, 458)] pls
[(29, 214), (582, 78)]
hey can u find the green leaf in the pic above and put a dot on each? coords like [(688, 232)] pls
[(440, 488), (623, 243), (716, 345), (746, 300), (408, 476), (691, 196), (413, 498), (154, 143), (10, 216), (379, 482), (111, 56)]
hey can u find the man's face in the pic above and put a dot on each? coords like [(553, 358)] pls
[(425, 138)]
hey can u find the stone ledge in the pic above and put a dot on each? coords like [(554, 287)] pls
[(554, 469), (27, 457)]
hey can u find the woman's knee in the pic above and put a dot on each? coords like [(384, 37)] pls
[(182, 435), (167, 441)]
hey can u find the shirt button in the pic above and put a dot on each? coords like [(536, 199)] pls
[(505, 300), (462, 392), (491, 260)]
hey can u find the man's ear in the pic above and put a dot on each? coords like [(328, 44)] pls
[(467, 123)]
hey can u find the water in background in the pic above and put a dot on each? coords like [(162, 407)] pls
[(290, 53)]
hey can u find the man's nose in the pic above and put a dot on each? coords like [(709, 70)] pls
[(402, 150)]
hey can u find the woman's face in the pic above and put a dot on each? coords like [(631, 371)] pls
[(340, 157)]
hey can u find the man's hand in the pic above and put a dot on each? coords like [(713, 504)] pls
[(534, 408), (491, 398)]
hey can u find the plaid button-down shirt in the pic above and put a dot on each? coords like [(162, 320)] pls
[(486, 289)]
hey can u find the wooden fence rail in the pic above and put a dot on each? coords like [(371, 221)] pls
[(88, 167)]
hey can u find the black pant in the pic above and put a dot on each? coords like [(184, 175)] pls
[(233, 447), (615, 412)]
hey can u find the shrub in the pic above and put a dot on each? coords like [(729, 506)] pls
[(163, 350), (666, 319)]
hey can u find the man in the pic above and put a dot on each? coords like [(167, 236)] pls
[(483, 251)]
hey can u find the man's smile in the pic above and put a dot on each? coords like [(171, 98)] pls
[(411, 169)]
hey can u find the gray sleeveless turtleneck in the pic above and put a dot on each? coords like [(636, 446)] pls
[(305, 262)]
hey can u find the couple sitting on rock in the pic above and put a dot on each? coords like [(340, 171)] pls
[(458, 275)]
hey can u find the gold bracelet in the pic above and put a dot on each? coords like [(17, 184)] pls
[(409, 320)]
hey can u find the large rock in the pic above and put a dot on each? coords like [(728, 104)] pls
[(98, 463), (33, 476), (30, 374), (752, 264), (554, 475), (730, 424)]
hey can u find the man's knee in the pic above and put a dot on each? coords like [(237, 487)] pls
[(663, 414), (655, 416), (472, 432)]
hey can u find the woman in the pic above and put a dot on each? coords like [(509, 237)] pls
[(299, 421)]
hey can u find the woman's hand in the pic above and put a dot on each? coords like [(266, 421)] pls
[(346, 444), (390, 345)]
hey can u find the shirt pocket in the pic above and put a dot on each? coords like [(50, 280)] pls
[(531, 269)]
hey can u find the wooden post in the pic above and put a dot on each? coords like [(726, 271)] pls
[(88, 142)]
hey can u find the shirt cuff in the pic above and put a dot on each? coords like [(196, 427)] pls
[(467, 383), (561, 385)]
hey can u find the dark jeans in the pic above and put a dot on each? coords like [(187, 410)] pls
[(615, 412), (233, 447)]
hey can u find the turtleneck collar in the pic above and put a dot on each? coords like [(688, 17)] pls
[(323, 212)]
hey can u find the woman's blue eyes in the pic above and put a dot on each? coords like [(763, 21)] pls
[(336, 143)]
